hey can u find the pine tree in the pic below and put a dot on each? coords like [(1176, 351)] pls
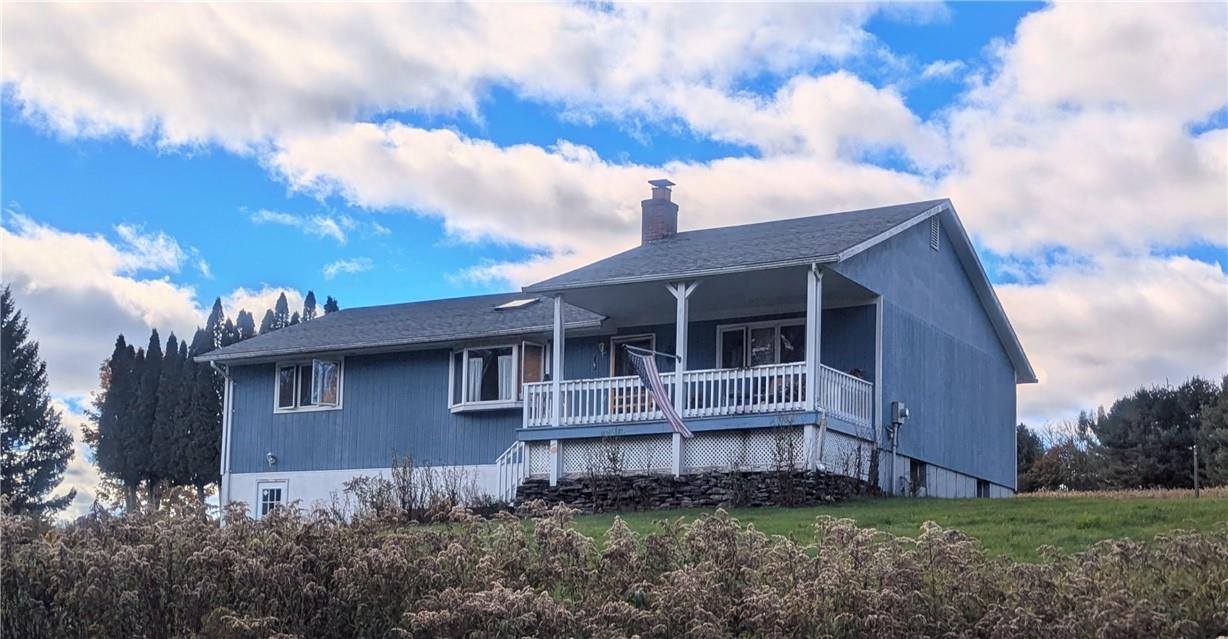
[(294, 319), (216, 324), (145, 414), (183, 414), (1145, 438), (132, 446), (230, 334), (204, 422), (268, 324), (309, 306), (281, 312), (330, 305), (164, 449), (245, 326), (34, 446)]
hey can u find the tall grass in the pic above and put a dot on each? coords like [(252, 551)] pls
[(315, 575)]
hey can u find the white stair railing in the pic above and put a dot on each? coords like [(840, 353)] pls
[(512, 467)]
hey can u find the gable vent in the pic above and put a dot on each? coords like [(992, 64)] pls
[(935, 232)]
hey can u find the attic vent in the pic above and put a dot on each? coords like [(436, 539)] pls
[(935, 232), (520, 303)]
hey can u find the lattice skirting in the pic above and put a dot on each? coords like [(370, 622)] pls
[(751, 450)]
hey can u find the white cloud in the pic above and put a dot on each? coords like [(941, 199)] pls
[(1082, 138), (259, 300), (942, 69), (1095, 331), (81, 473), (80, 291), (242, 75), (315, 225), (350, 265)]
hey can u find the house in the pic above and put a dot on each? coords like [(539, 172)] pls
[(822, 328)]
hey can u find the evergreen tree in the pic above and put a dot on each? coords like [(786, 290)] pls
[(1213, 438), (1145, 438), (34, 446), (330, 305), (144, 416), (1028, 449), (164, 448), (119, 383), (230, 334), (133, 444), (183, 413), (245, 326), (204, 421), (309, 306), (216, 324), (268, 324), (294, 319), (281, 312)]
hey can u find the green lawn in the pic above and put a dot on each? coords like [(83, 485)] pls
[(1013, 527)]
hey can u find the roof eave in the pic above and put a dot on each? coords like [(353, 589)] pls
[(381, 347), (539, 289)]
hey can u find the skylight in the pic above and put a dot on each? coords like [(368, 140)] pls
[(520, 303)]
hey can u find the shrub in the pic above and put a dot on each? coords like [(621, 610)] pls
[(317, 575)]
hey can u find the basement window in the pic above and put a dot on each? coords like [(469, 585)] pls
[(270, 495), (308, 385)]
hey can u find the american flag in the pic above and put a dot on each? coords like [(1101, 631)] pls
[(646, 368)]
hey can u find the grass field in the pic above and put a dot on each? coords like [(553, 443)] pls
[(1015, 527)]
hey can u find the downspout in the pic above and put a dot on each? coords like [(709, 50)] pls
[(223, 493)]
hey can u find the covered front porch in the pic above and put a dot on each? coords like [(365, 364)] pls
[(765, 342)]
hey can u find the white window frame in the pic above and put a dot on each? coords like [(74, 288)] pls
[(298, 381), (283, 484), (620, 339), (494, 404), (747, 327)]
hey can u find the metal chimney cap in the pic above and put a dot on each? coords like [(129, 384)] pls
[(661, 184)]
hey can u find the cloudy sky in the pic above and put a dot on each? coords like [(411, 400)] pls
[(158, 156)]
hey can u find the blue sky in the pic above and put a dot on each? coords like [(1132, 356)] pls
[(454, 150), (204, 197)]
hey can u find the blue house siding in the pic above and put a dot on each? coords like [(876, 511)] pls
[(941, 357), (393, 404)]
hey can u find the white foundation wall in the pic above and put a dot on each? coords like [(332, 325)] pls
[(316, 487)]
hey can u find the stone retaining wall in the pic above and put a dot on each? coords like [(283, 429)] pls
[(728, 489)]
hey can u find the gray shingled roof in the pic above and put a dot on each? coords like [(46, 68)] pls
[(762, 245), (413, 323)]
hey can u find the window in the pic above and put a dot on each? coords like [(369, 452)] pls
[(935, 232), (491, 376), (916, 476), (620, 362), (270, 495), (982, 488), (761, 343), (313, 385)]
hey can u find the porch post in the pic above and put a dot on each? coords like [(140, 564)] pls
[(556, 395), (682, 293), (554, 462), (814, 333), (556, 371)]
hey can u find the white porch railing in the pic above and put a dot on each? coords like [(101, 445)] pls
[(709, 393)]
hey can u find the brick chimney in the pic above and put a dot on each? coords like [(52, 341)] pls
[(660, 214)]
